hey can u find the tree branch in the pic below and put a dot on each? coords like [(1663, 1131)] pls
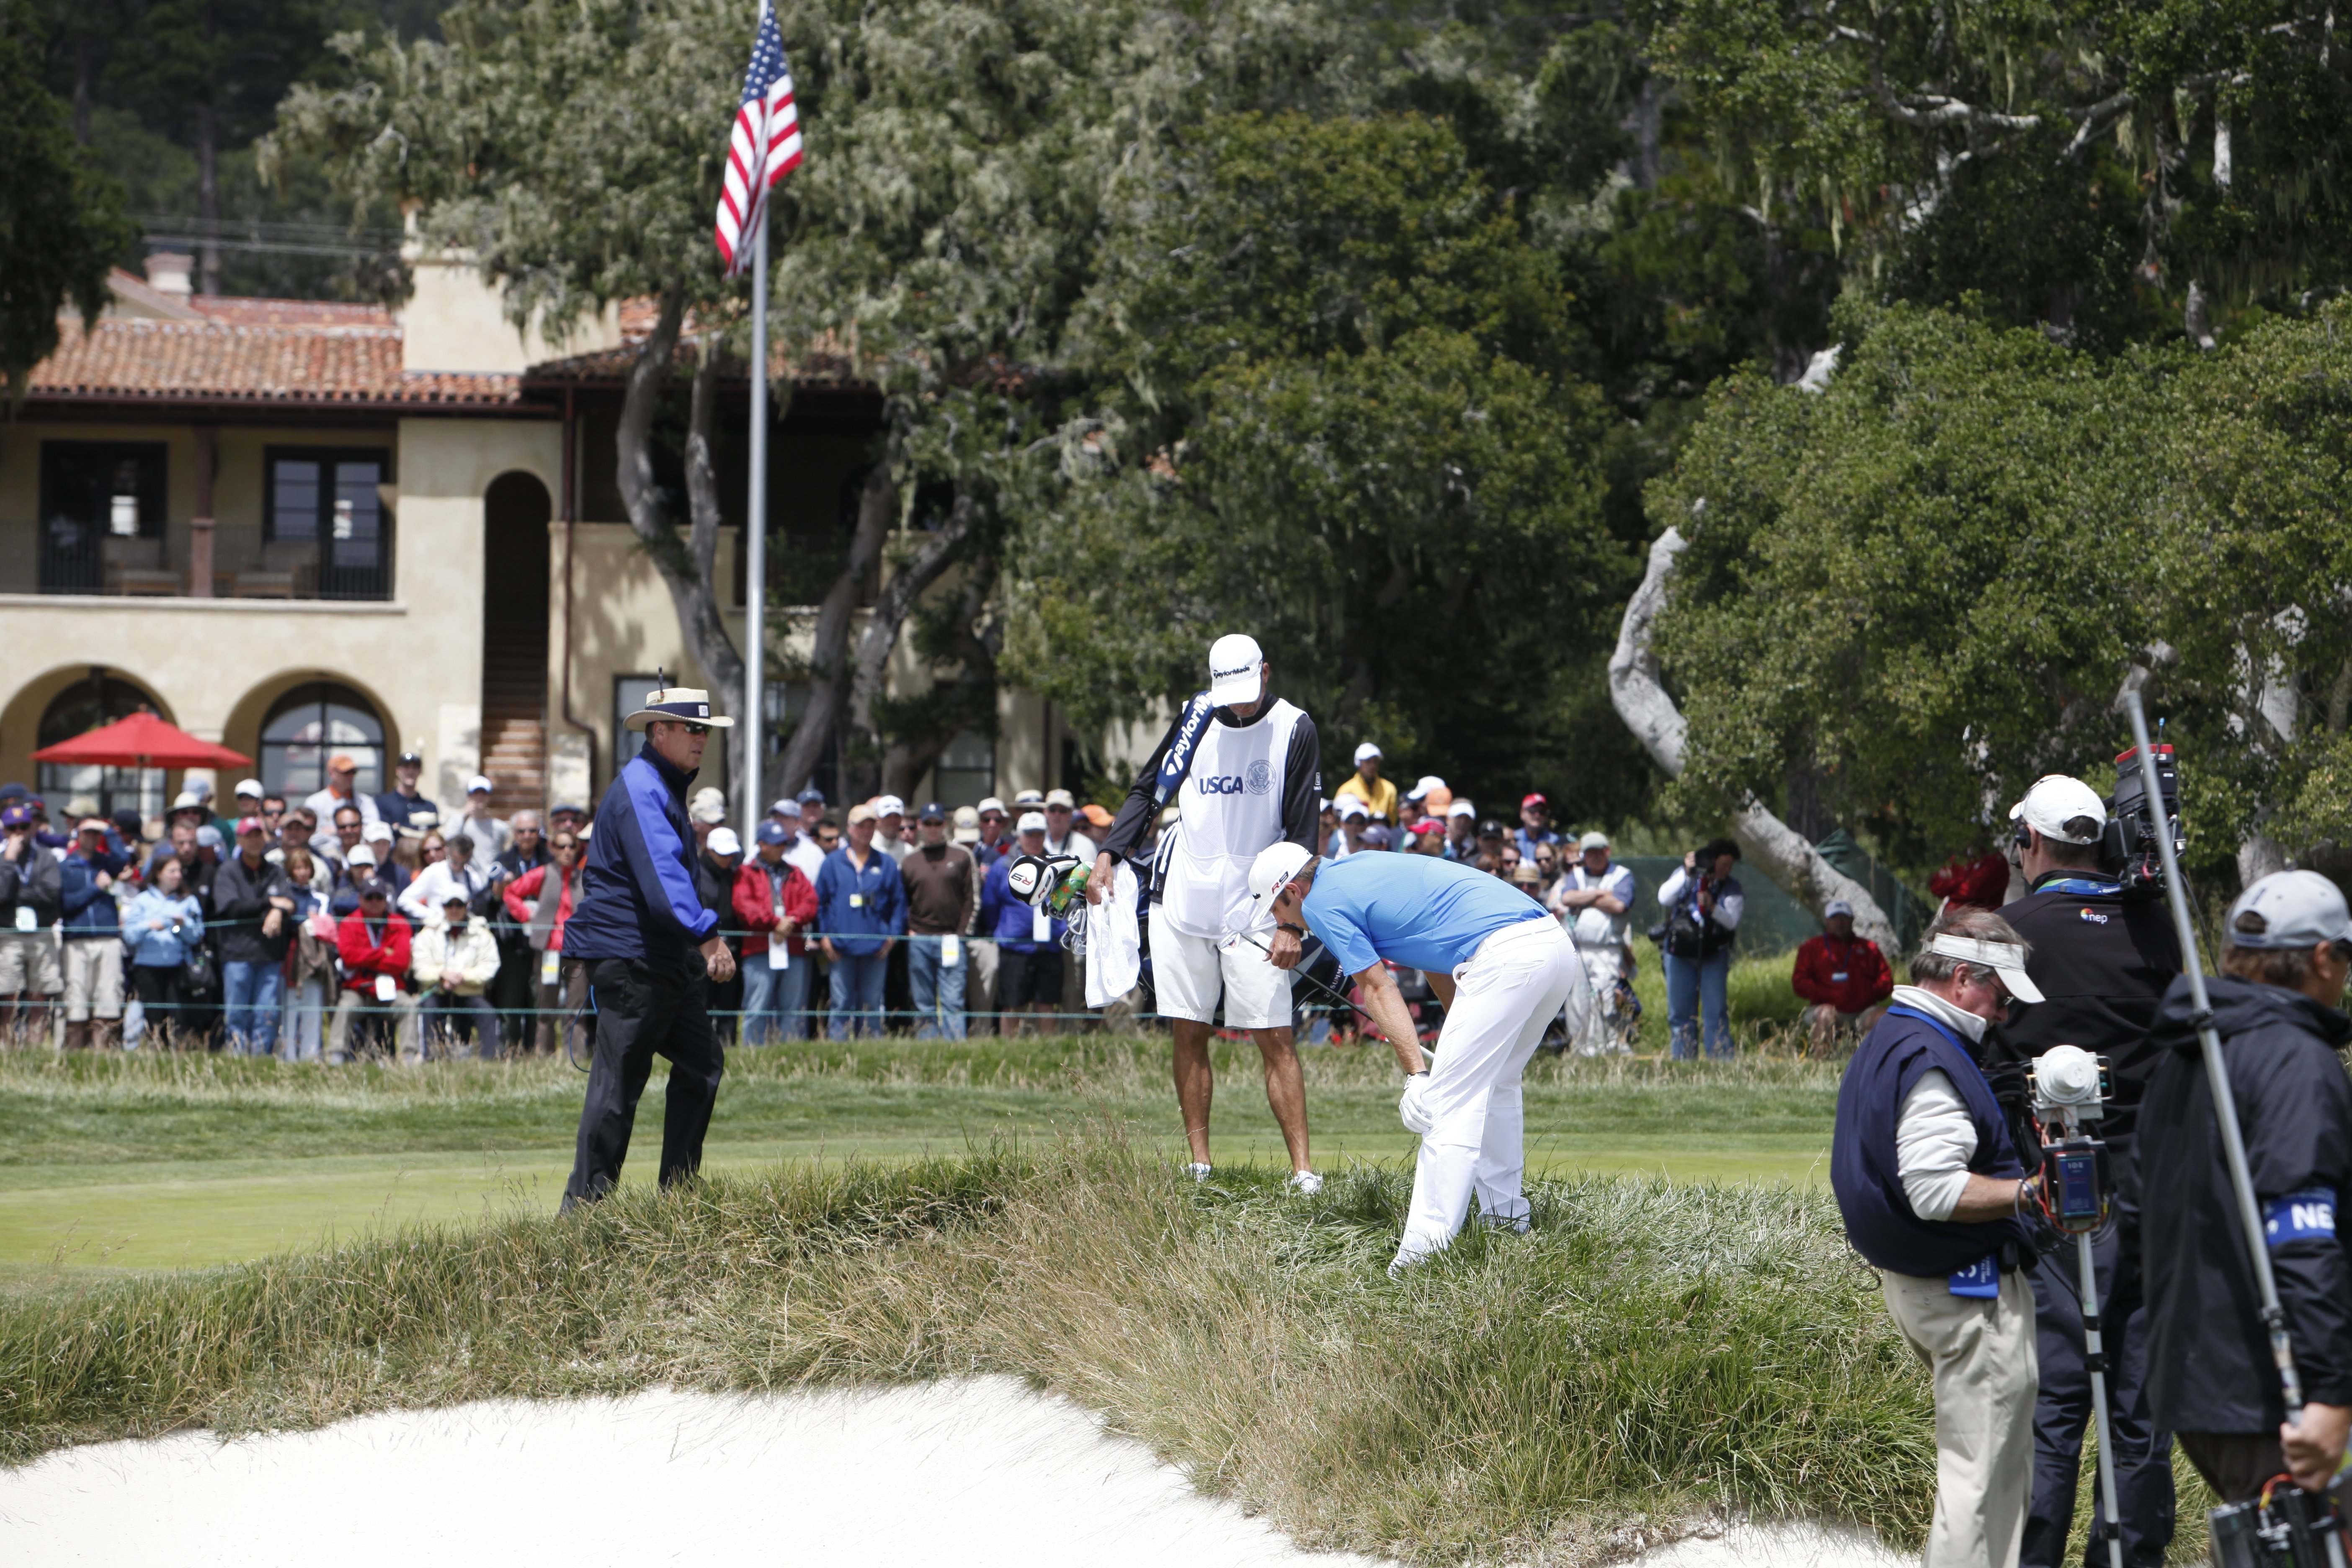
[(891, 606), (1768, 843), (877, 508)]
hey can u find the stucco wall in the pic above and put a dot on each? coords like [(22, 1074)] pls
[(215, 666)]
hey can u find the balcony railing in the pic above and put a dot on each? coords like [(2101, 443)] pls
[(63, 557)]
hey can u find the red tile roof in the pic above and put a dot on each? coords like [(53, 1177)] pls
[(243, 312), (349, 357)]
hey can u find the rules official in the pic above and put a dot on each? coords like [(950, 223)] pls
[(651, 951)]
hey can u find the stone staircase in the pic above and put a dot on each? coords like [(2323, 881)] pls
[(514, 755)]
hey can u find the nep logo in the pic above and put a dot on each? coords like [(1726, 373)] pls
[(2094, 917), (2300, 1216)]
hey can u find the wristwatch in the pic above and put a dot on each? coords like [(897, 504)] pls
[(1298, 931)]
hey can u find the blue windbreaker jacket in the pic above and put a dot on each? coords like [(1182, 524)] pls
[(638, 898)]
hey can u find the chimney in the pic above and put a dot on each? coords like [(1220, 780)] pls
[(168, 271)]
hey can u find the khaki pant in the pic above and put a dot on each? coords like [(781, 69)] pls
[(93, 978), (1981, 1354), (29, 962), (408, 1040), (980, 985)]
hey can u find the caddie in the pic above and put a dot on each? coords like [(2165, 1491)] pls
[(1504, 970), (1931, 1189), (1244, 768), (651, 951)]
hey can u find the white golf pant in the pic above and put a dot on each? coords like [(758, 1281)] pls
[(1516, 984)]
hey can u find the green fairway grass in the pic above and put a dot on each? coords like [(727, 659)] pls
[(113, 1162)]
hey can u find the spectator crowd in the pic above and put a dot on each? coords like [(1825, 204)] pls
[(344, 924)]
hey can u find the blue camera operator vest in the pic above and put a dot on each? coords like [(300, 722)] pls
[(1862, 1169)]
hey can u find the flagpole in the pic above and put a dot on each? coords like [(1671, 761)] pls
[(755, 533)]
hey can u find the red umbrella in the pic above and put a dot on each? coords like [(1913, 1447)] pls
[(142, 741)]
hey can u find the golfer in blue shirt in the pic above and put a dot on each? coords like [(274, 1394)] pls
[(1503, 968)]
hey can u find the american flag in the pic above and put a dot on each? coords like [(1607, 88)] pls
[(765, 146)]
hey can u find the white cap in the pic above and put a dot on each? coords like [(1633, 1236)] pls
[(377, 833), (479, 782), (707, 811), (250, 787), (990, 804), (1461, 808), (1031, 822), (1835, 908), (1276, 865), (1234, 661), (889, 806), (187, 800), (2056, 800), (1061, 797), (1596, 839), (724, 842), (1428, 781), (2295, 909), (1352, 805), (785, 808), (360, 855), (1367, 751), (2006, 959), (708, 792)]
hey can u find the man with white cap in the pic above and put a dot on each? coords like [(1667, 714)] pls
[(1378, 795), (652, 950), (2101, 961), (1243, 769), (491, 836), (1842, 980), (1594, 899), (2286, 952), (1931, 1189), (1502, 968)]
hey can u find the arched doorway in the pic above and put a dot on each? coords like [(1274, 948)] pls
[(77, 709), (515, 513), (312, 723)]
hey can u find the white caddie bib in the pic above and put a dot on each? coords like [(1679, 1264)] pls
[(1231, 808)]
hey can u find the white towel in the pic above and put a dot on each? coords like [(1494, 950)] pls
[(1114, 943)]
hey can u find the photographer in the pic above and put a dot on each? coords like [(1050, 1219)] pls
[(2102, 962), (1703, 902), (2211, 1377), (1930, 1188)]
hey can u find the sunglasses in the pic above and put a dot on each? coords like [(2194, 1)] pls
[(696, 728)]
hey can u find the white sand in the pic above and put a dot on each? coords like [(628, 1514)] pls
[(971, 1474)]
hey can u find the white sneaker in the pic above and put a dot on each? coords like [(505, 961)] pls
[(1305, 1183), (1198, 1172)]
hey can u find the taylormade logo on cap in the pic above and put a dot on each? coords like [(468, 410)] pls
[(1233, 664)]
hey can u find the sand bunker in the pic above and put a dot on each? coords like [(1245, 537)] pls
[(974, 1473)]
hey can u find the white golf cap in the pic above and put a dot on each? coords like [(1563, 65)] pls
[(1367, 751), (250, 787), (1428, 781), (1835, 908), (889, 806), (724, 842), (707, 811), (1031, 822), (377, 833), (1276, 865), (2056, 800), (993, 803), (478, 785), (785, 808), (2291, 908), (1061, 797), (1596, 839), (360, 855), (1461, 808), (2006, 959), (1352, 805), (1234, 661)]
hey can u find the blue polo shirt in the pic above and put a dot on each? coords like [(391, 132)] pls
[(1413, 910)]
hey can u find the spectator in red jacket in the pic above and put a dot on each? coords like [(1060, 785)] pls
[(772, 896), (373, 942), (561, 984), (1843, 979)]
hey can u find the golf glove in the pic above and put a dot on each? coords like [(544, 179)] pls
[(1412, 1109)]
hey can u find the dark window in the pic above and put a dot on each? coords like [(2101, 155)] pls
[(77, 711), (331, 500), (309, 725), (967, 771), (91, 492)]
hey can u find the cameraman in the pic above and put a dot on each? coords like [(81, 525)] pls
[(2102, 963), (1703, 902), (1930, 1187), (2210, 1377)]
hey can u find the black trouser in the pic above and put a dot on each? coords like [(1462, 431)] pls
[(641, 1012), (2063, 1412), (2236, 1465)]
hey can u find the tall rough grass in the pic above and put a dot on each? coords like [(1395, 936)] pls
[(1649, 1356)]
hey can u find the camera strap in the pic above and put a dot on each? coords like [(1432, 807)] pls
[(2083, 888)]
